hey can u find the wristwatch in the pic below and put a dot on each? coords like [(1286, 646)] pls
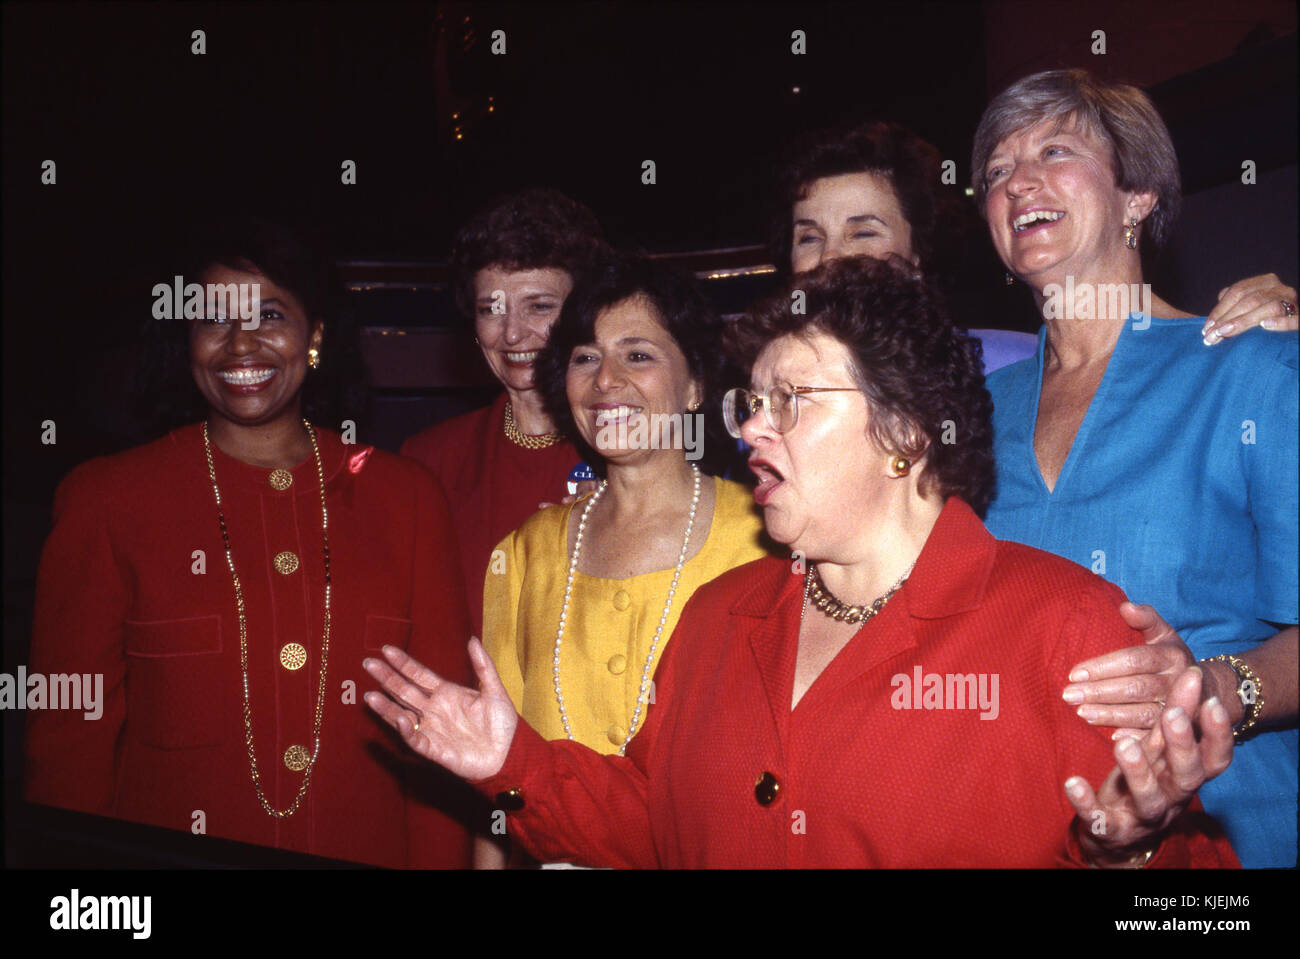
[(1250, 690)]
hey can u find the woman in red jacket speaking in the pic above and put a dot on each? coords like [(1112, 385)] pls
[(890, 696)]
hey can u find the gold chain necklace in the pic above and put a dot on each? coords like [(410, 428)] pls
[(842, 612), (514, 435), (243, 632)]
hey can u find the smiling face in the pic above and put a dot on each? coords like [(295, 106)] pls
[(633, 369), (1053, 206), (824, 469), (855, 214), (253, 377), (526, 303)]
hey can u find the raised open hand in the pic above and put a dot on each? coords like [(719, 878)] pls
[(468, 732)]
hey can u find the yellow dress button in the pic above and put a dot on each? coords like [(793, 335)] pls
[(285, 562), (766, 789), (293, 656), (297, 758), (616, 735), (622, 600), (617, 663), (280, 480)]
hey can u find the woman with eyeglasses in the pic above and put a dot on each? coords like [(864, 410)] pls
[(890, 698)]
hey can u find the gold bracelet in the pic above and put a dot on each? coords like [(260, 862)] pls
[(1250, 690)]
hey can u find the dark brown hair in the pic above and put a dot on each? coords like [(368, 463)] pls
[(911, 165), (680, 308), (530, 230), (922, 377)]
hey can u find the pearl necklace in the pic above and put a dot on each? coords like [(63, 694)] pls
[(663, 620)]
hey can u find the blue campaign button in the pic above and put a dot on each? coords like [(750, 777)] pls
[(582, 473)]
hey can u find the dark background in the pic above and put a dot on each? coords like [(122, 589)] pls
[(148, 138)]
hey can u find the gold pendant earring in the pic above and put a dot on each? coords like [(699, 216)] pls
[(1130, 234), (313, 358)]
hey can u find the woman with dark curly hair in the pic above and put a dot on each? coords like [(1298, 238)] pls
[(891, 699), (582, 598), (513, 264), (226, 580), (875, 190)]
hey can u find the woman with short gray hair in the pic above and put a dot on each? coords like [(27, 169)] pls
[(1128, 446)]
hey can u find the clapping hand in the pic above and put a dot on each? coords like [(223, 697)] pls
[(1154, 779)]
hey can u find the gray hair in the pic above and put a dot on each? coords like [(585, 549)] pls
[(1121, 115)]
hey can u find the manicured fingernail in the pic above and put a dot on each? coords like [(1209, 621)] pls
[(1072, 696), (1086, 713), (1217, 711), (1079, 676), (1074, 785), (1129, 750), (1269, 324), (1177, 719)]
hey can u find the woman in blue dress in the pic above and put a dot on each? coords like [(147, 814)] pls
[(1133, 445)]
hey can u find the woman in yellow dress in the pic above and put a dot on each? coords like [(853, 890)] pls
[(580, 601)]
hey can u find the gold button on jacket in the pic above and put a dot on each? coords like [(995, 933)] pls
[(297, 758)]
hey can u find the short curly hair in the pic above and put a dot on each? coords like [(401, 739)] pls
[(1121, 115), (923, 378), (530, 230), (912, 166), (680, 308)]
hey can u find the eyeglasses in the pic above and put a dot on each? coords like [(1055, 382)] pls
[(781, 404)]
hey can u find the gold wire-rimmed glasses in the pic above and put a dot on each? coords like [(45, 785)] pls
[(781, 403)]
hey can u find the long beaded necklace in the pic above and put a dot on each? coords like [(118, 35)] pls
[(520, 438), (663, 620), (310, 762)]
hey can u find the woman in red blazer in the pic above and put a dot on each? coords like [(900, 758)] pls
[(888, 698), (226, 581), (514, 264)]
